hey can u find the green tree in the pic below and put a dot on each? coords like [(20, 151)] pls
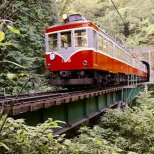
[(32, 17), (138, 16)]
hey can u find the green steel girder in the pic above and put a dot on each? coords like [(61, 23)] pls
[(102, 102), (83, 108)]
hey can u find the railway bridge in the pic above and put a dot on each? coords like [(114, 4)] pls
[(73, 107)]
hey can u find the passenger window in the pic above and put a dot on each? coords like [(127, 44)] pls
[(127, 58), (120, 54), (110, 48), (66, 39), (105, 45), (100, 42), (80, 38), (94, 39), (117, 53), (53, 41)]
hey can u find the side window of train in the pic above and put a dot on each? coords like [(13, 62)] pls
[(110, 48), (105, 45), (120, 54), (100, 42), (53, 41), (134, 62), (66, 39), (128, 59), (80, 38), (117, 52), (124, 56), (94, 39)]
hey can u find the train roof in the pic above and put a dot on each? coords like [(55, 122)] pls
[(71, 25)]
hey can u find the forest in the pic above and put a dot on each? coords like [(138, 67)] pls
[(22, 54), (129, 130)]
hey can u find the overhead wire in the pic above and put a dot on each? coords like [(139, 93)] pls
[(10, 4), (13, 14), (125, 25), (4, 6), (32, 16)]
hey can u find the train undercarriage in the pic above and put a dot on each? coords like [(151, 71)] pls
[(95, 78)]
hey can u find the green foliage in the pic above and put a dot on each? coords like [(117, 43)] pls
[(16, 137), (2, 36), (145, 99), (12, 29), (133, 128), (28, 45), (16, 80), (91, 141)]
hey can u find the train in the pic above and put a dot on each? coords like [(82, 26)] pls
[(79, 53)]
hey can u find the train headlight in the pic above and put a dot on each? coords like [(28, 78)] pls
[(52, 56), (65, 17)]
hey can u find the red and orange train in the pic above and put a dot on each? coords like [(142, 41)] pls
[(80, 53)]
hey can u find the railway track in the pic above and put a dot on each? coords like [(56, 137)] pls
[(51, 94), (26, 98), (23, 98), (36, 101), (2, 97), (36, 96)]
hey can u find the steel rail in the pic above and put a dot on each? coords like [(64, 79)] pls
[(46, 95), (39, 96)]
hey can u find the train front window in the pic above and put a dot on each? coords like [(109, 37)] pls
[(80, 38), (53, 41), (66, 39)]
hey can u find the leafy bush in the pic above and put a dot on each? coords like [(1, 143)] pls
[(135, 128), (92, 141), (18, 138)]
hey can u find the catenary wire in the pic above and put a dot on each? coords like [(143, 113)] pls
[(125, 24)]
